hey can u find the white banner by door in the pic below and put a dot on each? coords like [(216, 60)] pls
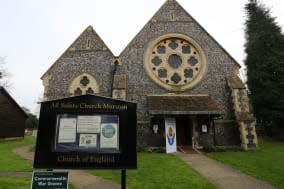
[(170, 131)]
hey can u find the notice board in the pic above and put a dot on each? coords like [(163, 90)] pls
[(86, 132)]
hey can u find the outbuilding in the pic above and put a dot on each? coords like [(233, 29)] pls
[(12, 117)]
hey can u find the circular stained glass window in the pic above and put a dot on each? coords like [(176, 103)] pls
[(175, 62)]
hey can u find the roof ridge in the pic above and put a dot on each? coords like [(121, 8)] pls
[(194, 20), (87, 29), (13, 100)]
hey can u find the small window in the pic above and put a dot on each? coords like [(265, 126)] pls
[(83, 84), (88, 44)]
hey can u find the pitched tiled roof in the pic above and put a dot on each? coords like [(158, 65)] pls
[(182, 104), (3, 91)]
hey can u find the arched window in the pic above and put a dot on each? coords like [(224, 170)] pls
[(83, 84)]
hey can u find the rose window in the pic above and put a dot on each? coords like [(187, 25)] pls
[(175, 62)]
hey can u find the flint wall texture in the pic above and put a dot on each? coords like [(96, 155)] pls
[(97, 61), (220, 65)]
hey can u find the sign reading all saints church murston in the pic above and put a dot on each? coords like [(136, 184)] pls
[(86, 132)]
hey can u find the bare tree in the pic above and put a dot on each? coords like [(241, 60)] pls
[(4, 75), (2, 60), (27, 110)]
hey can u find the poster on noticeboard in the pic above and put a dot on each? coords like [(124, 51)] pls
[(87, 132)]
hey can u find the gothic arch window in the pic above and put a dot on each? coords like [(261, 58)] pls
[(83, 84), (175, 62)]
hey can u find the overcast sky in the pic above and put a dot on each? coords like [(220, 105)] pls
[(34, 33)]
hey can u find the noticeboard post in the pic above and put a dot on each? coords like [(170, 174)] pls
[(86, 132)]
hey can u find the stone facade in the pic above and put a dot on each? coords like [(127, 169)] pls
[(88, 54)]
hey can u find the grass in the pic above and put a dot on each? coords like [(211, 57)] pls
[(266, 164), (159, 171), (15, 182), (155, 171), (11, 162)]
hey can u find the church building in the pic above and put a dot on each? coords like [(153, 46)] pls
[(173, 68)]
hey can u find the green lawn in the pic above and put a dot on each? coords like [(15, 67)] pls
[(15, 182), (10, 161), (155, 171), (266, 164), (159, 171), (162, 170)]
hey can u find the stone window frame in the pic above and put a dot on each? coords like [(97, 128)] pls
[(76, 84), (177, 84)]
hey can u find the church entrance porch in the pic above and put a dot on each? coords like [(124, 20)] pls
[(184, 131), (188, 130), (192, 114)]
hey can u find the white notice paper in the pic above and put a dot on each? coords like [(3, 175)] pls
[(67, 130), (109, 133), (88, 140), (89, 124), (204, 128)]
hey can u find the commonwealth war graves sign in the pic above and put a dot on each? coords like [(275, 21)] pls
[(86, 132), (50, 180)]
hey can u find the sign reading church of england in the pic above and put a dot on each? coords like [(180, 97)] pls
[(170, 129), (86, 132)]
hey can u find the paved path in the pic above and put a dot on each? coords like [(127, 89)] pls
[(222, 176), (80, 179)]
